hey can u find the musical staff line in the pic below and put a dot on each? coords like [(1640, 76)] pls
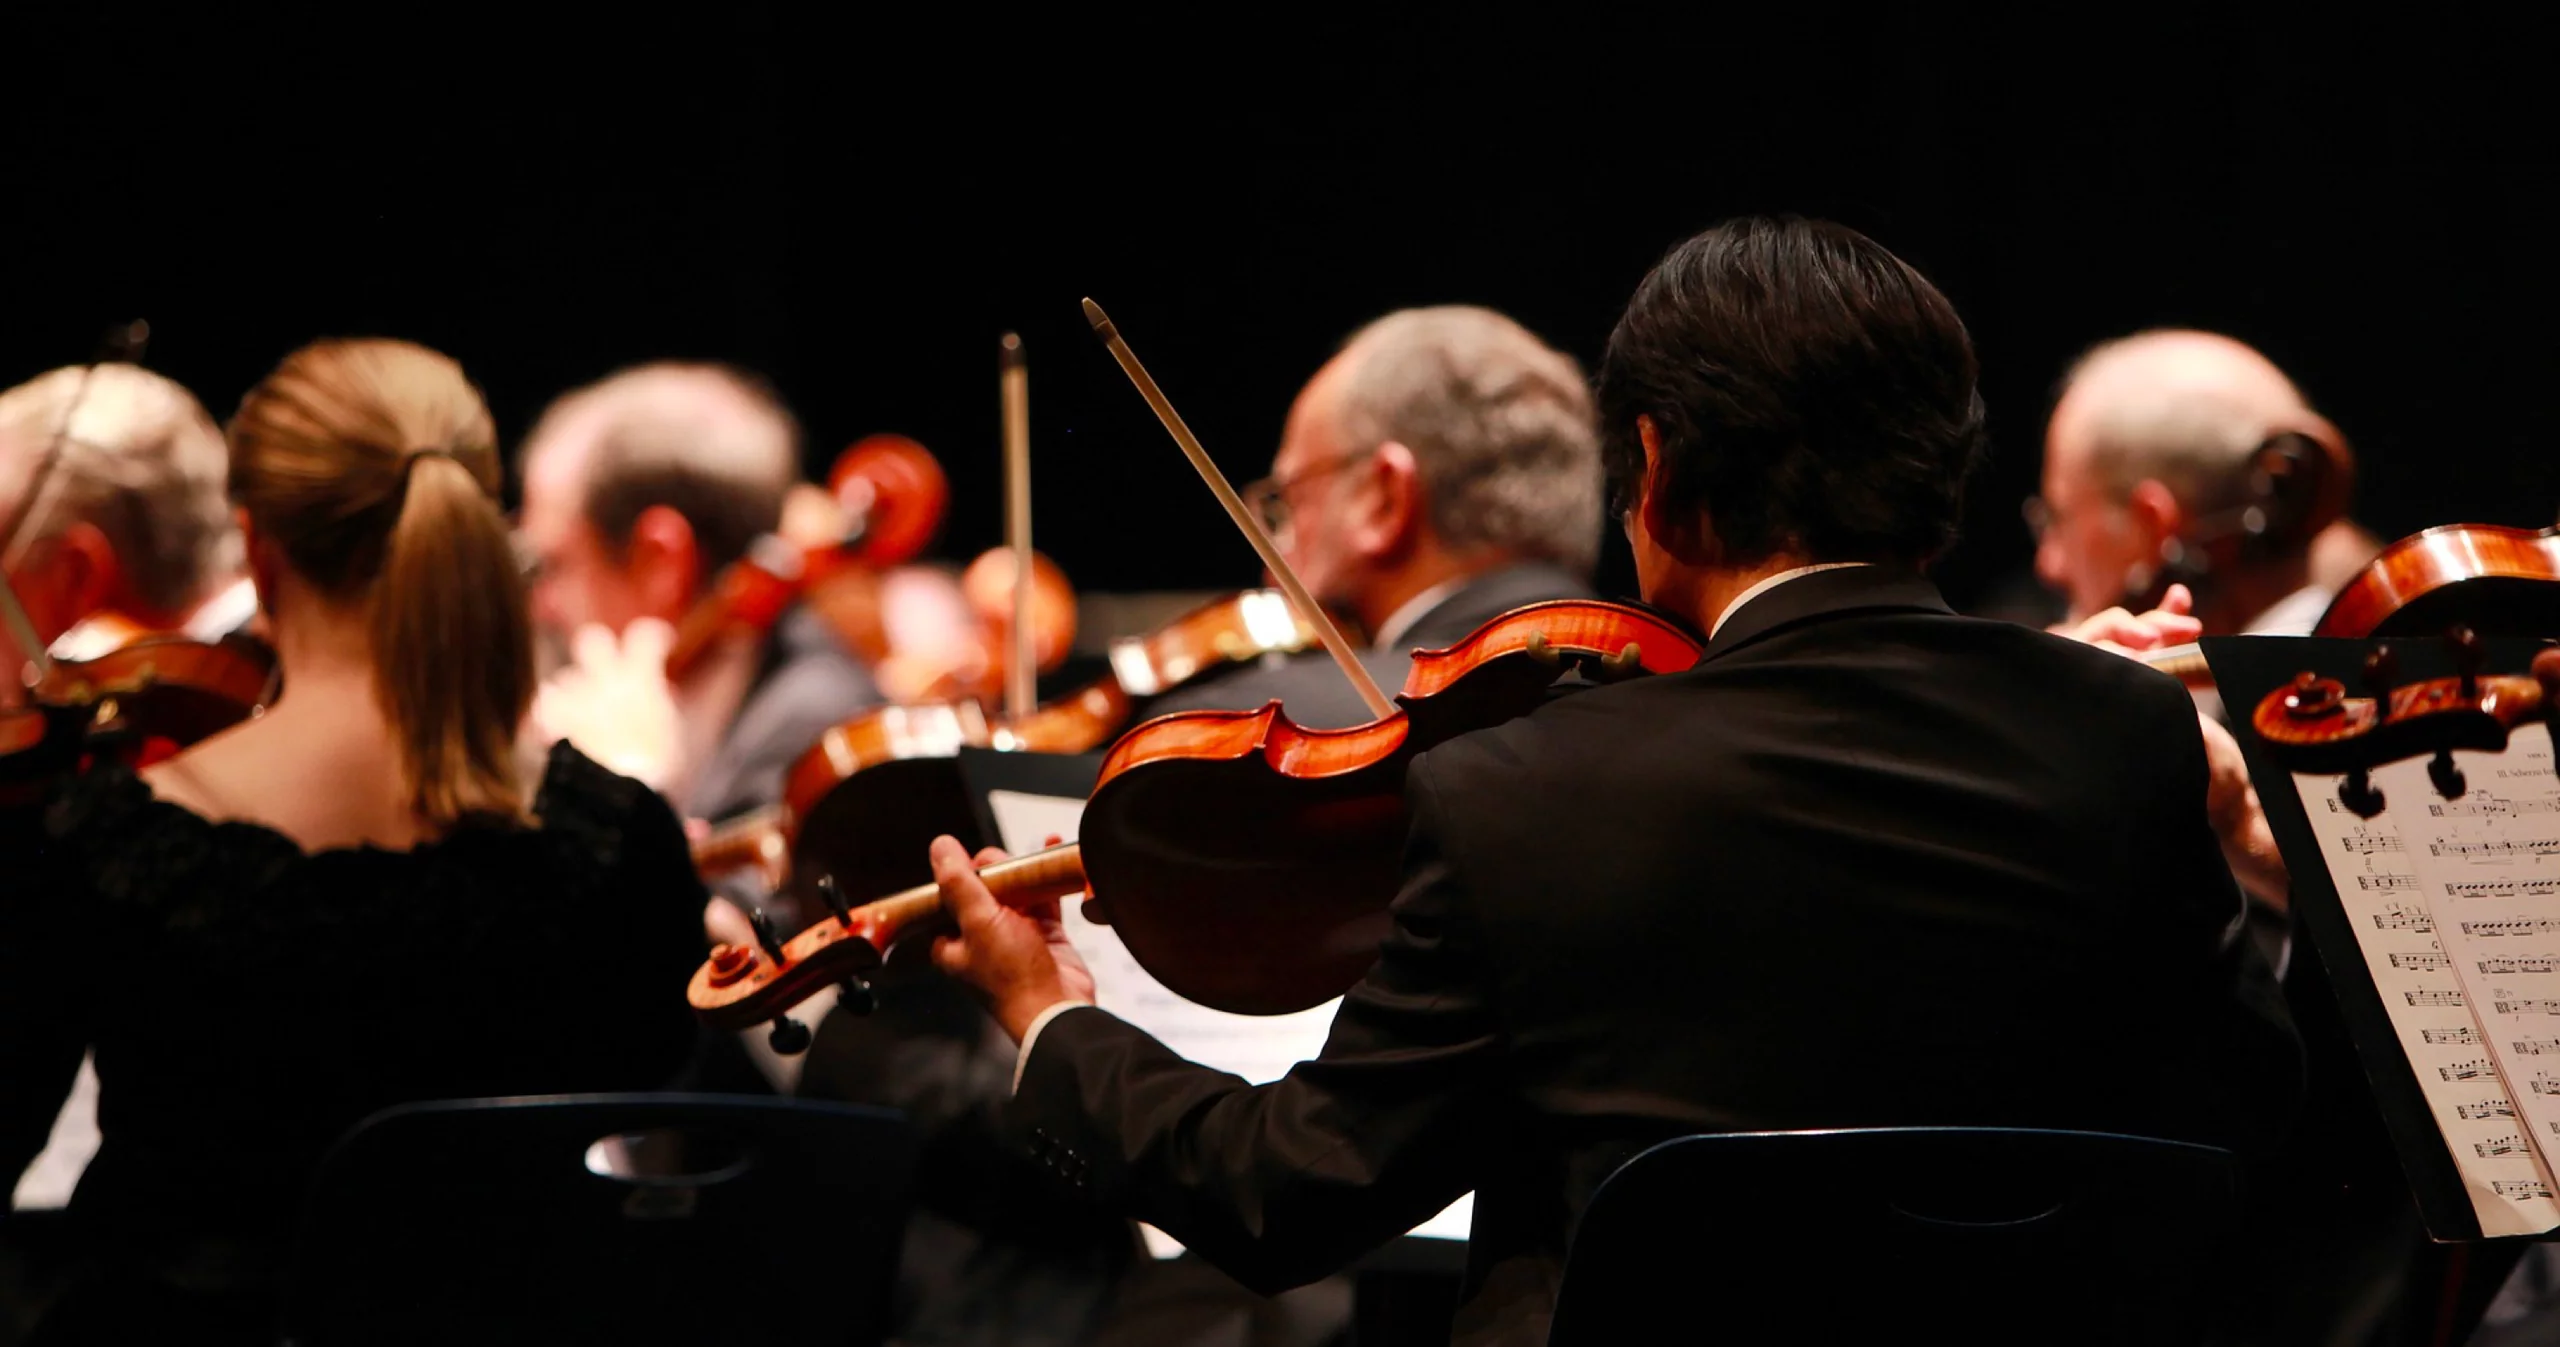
[(2540, 846), (2512, 926)]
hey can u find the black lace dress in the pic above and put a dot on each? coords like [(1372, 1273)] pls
[(248, 1002)]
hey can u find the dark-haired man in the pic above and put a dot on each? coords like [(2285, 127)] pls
[(1870, 863)]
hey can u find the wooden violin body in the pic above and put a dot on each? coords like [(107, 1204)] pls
[(2496, 581), (1246, 862), (139, 697), (862, 802)]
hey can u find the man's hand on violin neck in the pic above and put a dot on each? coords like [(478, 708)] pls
[(1017, 960)]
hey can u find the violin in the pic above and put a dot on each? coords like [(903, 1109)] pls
[(1245, 861), (2495, 581), (862, 814), (140, 696), (889, 495), (2483, 578)]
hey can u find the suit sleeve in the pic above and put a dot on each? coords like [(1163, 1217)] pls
[(2247, 1079), (1283, 1183)]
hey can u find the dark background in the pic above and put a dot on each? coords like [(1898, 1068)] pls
[(857, 204)]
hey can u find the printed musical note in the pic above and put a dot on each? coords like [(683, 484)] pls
[(2504, 888), (2512, 926), (2466, 1035), (2486, 1108), (2545, 1085), (2402, 917), (2535, 965), (2541, 846), (2365, 844), (2434, 998), (2385, 883), (2473, 1070), (2423, 963), (2489, 807), (2519, 1190), (2497, 1146), (2538, 1047)]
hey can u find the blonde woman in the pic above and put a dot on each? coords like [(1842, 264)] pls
[(350, 902)]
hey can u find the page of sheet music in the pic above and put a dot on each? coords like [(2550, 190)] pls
[(1260, 1048), (2398, 877)]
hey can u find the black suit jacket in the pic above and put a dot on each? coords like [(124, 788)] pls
[(1869, 864), (1311, 688)]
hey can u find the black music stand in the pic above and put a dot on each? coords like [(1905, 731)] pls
[(2246, 669)]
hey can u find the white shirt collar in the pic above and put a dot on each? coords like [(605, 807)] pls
[(1771, 583), (1413, 610)]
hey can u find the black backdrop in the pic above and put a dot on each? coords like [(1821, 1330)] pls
[(858, 204)]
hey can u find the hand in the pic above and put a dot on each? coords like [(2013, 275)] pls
[(2248, 844), (1016, 959), (2128, 633), (612, 701)]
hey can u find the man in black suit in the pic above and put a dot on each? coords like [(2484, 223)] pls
[(1441, 470), (1869, 863)]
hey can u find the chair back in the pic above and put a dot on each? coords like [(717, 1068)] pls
[(1972, 1235), (604, 1218)]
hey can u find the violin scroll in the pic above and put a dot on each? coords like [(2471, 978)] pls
[(2313, 725)]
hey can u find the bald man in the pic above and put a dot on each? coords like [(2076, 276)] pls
[(2150, 450), (1442, 469)]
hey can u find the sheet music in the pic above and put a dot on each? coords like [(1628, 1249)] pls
[(2417, 885), (1260, 1048), (2489, 863)]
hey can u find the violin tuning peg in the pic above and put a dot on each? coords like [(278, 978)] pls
[(2448, 778), (766, 936), (2470, 655), (833, 896), (856, 996), (2381, 674), (2358, 795), (789, 1036)]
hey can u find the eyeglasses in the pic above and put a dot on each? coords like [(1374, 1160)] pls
[(2041, 517), (1269, 498)]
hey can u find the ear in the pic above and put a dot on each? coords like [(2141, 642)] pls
[(89, 579), (664, 561), (266, 563), (2156, 514), (1394, 518), (1680, 537)]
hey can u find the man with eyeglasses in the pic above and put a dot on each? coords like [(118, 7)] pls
[(1441, 470), (2155, 435), (2150, 448)]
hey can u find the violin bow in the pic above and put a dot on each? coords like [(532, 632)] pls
[(1020, 690), (1254, 533), (123, 343)]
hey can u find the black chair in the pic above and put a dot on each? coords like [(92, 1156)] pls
[(1932, 1234), (637, 1218)]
